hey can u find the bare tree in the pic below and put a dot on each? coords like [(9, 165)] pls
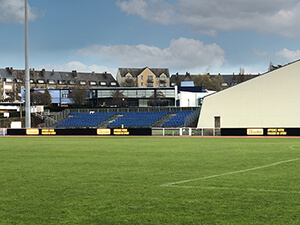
[(118, 98), (78, 95), (157, 98), (40, 98)]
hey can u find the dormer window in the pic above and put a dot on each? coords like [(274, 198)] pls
[(62, 82), (41, 81), (102, 83), (82, 82), (31, 81), (19, 80), (72, 82), (51, 81), (10, 80), (113, 83), (93, 83)]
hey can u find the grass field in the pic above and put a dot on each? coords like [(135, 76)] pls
[(149, 180)]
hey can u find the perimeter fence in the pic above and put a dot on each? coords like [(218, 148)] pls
[(185, 131)]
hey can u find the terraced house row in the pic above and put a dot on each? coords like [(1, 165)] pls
[(12, 81)]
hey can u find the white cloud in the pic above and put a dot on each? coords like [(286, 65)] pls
[(208, 16), (13, 11), (80, 67), (289, 55), (182, 53)]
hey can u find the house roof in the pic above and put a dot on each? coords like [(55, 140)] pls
[(56, 75), (230, 79), (137, 71)]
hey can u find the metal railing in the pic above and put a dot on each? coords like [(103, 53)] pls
[(185, 131)]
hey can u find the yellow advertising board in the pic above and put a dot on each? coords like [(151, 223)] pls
[(32, 131), (103, 132), (277, 131), (255, 131), (121, 132), (48, 132)]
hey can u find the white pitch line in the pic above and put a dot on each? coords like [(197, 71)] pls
[(237, 189), (295, 147), (230, 173)]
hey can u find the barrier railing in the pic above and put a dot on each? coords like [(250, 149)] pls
[(185, 131)]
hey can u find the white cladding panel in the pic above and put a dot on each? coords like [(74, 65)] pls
[(270, 100)]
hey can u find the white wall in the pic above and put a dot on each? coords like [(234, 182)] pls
[(190, 99), (270, 100)]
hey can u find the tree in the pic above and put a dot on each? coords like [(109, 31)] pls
[(157, 99), (118, 98), (129, 83), (78, 95), (213, 83), (40, 98)]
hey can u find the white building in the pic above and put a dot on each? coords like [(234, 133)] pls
[(271, 100)]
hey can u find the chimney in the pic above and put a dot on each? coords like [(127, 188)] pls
[(74, 72), (10, 70), (43, 72), (52, 74), (32, 72)]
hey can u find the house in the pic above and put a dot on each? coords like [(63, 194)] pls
[(143, 77), (227, 80), (12, 81)]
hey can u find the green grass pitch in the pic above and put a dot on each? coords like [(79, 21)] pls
[(149, 180)]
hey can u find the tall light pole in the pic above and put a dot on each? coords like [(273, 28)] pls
[(27, 77)]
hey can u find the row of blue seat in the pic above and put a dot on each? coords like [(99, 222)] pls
[(85, 119), (127, 119), (138, 119)]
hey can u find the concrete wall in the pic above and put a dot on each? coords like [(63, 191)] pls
[(270, 100)]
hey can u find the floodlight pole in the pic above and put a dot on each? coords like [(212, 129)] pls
[(27, 76)]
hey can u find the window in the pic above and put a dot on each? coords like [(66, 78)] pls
[(150, 77), (72, 82), (102, 83), (173, 84), (31, 81), (150, 84), (41, 81), (9, 80), (128, 77), (51, 81), (93, 83), (142, 84), (142, 77), (62, 82), (113, 83), (82, 82), (65, 94), (163, 78), (131, 94), (19, 80)]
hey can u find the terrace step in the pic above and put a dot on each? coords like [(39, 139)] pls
[(110, 120), (160, 122)]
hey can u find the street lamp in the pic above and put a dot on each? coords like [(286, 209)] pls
[(27, 77)]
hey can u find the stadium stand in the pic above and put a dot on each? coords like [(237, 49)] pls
[(85, 119), (178, 120), (138, 119), (170, 118)]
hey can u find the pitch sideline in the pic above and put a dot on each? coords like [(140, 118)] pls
[(229, 173)]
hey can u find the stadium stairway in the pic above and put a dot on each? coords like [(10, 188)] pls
[(108, 121), (160, 122)]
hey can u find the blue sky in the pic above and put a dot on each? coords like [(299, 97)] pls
[(198, 36)]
